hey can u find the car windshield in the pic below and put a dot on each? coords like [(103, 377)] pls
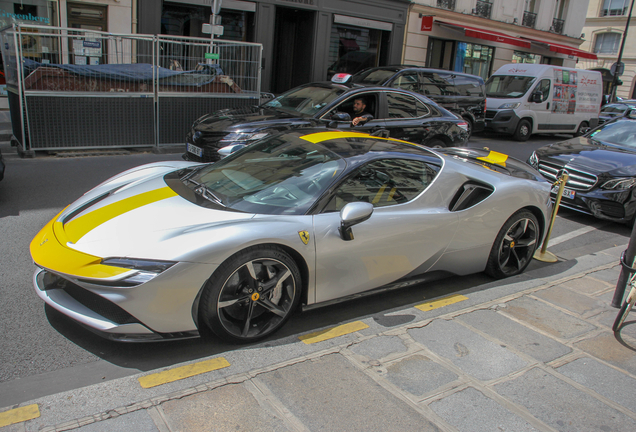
[(508, 86), (306, 100), (373, 77), (284, 174), (621, 133)]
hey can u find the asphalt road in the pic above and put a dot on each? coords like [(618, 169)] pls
[(42, 352)]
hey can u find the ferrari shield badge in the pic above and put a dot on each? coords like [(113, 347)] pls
[(304, 236)]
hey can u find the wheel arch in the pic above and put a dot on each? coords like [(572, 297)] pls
[(540, 218), (303, 268)]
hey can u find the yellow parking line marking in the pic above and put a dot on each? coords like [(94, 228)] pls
[(333, 332), (444, 301), (182, 372), (18, 415)]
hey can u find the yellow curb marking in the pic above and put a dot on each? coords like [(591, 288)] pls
[(18, 415), (444, 301), (183, 372), (333, 332)]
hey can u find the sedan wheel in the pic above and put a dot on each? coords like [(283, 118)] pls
[(251, 295), (514, 246)]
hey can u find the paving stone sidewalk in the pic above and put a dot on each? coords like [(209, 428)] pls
[(535, 353)]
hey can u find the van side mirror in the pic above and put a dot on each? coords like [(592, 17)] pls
[(537, 97), (353, 214)]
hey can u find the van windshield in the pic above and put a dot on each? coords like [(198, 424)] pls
[(507, 86)]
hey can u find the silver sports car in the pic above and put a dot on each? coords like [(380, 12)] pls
[(165, 250)]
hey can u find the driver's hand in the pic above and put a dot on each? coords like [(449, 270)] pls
[(357, 120)]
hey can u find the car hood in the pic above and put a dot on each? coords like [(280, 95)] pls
[(246, 119), (141, 219), (591, 156)]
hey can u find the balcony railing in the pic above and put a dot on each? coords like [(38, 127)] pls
[(614, 12), (557, 25), (529, 19), (483, 9), (446, 4)]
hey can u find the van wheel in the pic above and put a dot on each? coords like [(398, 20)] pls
[(579, 130), (524, 129)]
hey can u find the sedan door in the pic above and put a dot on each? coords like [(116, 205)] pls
[(407, 233)]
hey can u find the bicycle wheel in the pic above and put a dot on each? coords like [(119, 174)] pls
[(625, 309)]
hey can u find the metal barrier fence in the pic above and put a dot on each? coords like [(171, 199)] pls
[(79, 89)]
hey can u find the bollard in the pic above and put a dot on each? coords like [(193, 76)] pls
[(627, 263), (543, 255)]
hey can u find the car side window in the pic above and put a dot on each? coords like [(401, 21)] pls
[(436, 84), (370, 99), (407, 81), (402, 106), (543, 87), (383, 183), (467, 86)]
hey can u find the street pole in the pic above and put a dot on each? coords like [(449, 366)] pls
[(620, 55)]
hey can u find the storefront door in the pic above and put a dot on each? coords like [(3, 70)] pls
[(293, 48)]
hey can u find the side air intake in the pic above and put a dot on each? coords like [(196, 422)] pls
[(470, 194)]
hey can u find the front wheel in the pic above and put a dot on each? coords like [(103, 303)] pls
[(523, 131), (514, 246), (580, 129), (251, 295), (435, 143)]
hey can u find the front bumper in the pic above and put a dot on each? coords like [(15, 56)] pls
[(616, 206), (504, 121)]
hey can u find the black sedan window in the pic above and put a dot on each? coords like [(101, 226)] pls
[(383, 183), (405, 106), (305, 100), (622, 133)]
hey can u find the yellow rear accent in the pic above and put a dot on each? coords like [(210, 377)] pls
[(444, 301), (78, 227), (495, 158), (18, 415), (333, 332), (182, 372)]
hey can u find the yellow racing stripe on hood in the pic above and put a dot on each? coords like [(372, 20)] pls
[(77, 228), (326, 136)]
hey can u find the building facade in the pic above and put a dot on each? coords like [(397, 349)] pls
[(303, 40), (604, 28), (478, 37)]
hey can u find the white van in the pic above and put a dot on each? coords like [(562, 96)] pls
[(523, 99)]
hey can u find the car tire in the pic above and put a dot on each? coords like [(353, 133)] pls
[(435, 143), (514, 246), (523, 131), (579, 130), (251, 295)]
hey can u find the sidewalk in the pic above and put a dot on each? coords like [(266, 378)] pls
[(531, 353)]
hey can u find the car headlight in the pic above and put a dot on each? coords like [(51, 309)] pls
[(533, 160), (509, 105), (146, 269), (243, 136), (619, 183)]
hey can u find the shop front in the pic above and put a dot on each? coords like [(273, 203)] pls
[(303, 40)]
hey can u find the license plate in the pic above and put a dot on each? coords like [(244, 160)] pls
[(195, 150), (567, 193)]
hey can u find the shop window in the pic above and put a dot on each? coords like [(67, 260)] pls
[(352, 49), (473, 59), (180, 20), (607, 43), (524, 57)]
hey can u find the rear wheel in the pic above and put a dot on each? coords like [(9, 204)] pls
[(523, 131), (514, 246), (251, 295)]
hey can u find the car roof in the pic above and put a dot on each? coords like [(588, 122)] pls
[(397, 68)]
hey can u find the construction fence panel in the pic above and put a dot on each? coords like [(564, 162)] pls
[(79, 89)]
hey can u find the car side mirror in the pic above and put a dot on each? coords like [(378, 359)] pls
[(341, 116), (353, 214), (537, 97), (228, 150)]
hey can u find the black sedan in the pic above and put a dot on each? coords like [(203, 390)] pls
[(601, 166), (614, 110), (395, 113)]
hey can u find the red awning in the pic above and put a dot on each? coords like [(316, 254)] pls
[(563, 49), (488, 35)]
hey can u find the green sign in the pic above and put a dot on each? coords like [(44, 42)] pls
[(211, 56)]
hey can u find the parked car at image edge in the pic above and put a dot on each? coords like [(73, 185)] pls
[(613, 110), (401, 114), (461, 93), (308, 217), (602, 170)]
